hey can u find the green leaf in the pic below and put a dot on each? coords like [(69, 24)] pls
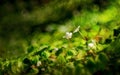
[(59, 52), (33, 71), (101, 61), (103, 57), (91, 64), (31, 49), (45, 54), (61, 59), (35, 59)]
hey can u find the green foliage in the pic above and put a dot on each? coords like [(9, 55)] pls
[(87, 44), (81, 59)]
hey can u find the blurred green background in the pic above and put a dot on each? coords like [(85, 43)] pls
[(24, 21)]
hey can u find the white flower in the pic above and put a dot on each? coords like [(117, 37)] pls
[(39, 63), (92, 45), (43, 69), (56, 49), (77, 29), (68, 35)]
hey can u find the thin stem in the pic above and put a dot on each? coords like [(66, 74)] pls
[(70, 45), (81, 35)]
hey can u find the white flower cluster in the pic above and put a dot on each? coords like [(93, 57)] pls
[(68, 35), (39, 63)]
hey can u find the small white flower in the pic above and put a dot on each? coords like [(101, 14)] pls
[(43, 69), (39, 63), (56, 49), (91, 45), (68, 35), (77, 29)]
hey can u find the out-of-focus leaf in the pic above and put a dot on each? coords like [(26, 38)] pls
[(59, 52), (103, 57), (108, 41), (35, 59), (91, 64), (116, 32), (61, 59)]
